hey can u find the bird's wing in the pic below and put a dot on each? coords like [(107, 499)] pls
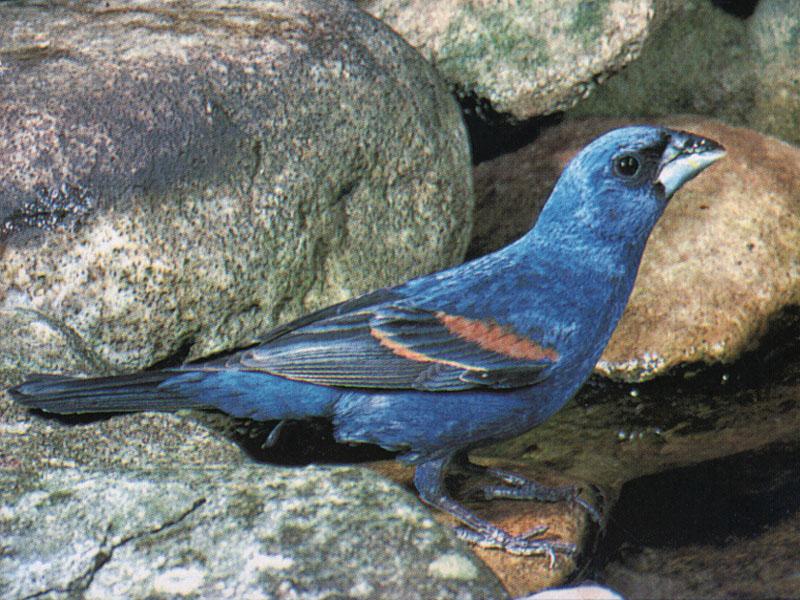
[(391, 346)]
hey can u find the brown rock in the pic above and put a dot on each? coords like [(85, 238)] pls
[(719, 266)]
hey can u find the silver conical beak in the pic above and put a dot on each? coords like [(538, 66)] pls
[(684, 157)]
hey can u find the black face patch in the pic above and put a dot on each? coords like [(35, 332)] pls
[(656, 150), (65, 206)]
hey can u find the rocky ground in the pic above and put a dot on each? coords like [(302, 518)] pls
[(179, 177)]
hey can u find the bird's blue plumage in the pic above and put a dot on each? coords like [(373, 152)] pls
[(452, 360)]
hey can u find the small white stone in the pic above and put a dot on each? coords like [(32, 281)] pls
[(581, 592), (180, 581), (453, 566), (361, 590), (270, 562)]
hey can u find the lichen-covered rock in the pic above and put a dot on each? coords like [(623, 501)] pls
[(182, 178), (775, 37), (705, 61), (245, 532), (720, 264), (699, 61), (527, 58), (167, 442)]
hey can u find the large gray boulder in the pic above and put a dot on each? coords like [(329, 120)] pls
[(182, 177), (245, 532), (699, 61), (527, 58)]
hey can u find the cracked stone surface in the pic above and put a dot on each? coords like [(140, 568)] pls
[(180, 179), (513, 53), (246, 532), (194, 440), (721, 265)]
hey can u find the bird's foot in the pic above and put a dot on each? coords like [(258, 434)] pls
[(493, 537), (429, 481), (518, 487)]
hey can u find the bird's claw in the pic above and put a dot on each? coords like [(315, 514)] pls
[(590, 509), (521, 488), (519, 545)]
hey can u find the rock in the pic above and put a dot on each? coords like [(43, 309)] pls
[(709, 449), (163, 443), (705, 61), (734, 535), (613, 433), (565, 521), (721, 263), (142, 440), (699, 61), (775, 34), (243, 532), (194, 441), (178, 180), (514, 54), (588, 591)]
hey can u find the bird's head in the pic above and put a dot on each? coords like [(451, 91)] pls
[(618, 185)]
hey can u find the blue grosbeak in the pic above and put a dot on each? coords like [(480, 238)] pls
[(457, 359)]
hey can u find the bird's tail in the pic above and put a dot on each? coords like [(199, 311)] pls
[(137, 392)]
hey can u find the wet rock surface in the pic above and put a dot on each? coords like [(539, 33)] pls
[(239, 532), (698, 472), (612, 433), (177, 180), (731, 237), (720, 529), (526, 58)]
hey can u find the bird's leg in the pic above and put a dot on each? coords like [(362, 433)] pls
[(517, 487), (429, 481), (275, 434)]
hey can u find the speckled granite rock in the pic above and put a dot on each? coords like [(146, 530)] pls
[(527, 58), (183, 178), (721, 263), (246, 532)]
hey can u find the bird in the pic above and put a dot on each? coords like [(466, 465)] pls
[(451, 361)]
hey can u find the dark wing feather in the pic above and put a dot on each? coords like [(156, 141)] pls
[(392, 347)]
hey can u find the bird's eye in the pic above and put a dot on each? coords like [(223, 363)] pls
[(626, 166)]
